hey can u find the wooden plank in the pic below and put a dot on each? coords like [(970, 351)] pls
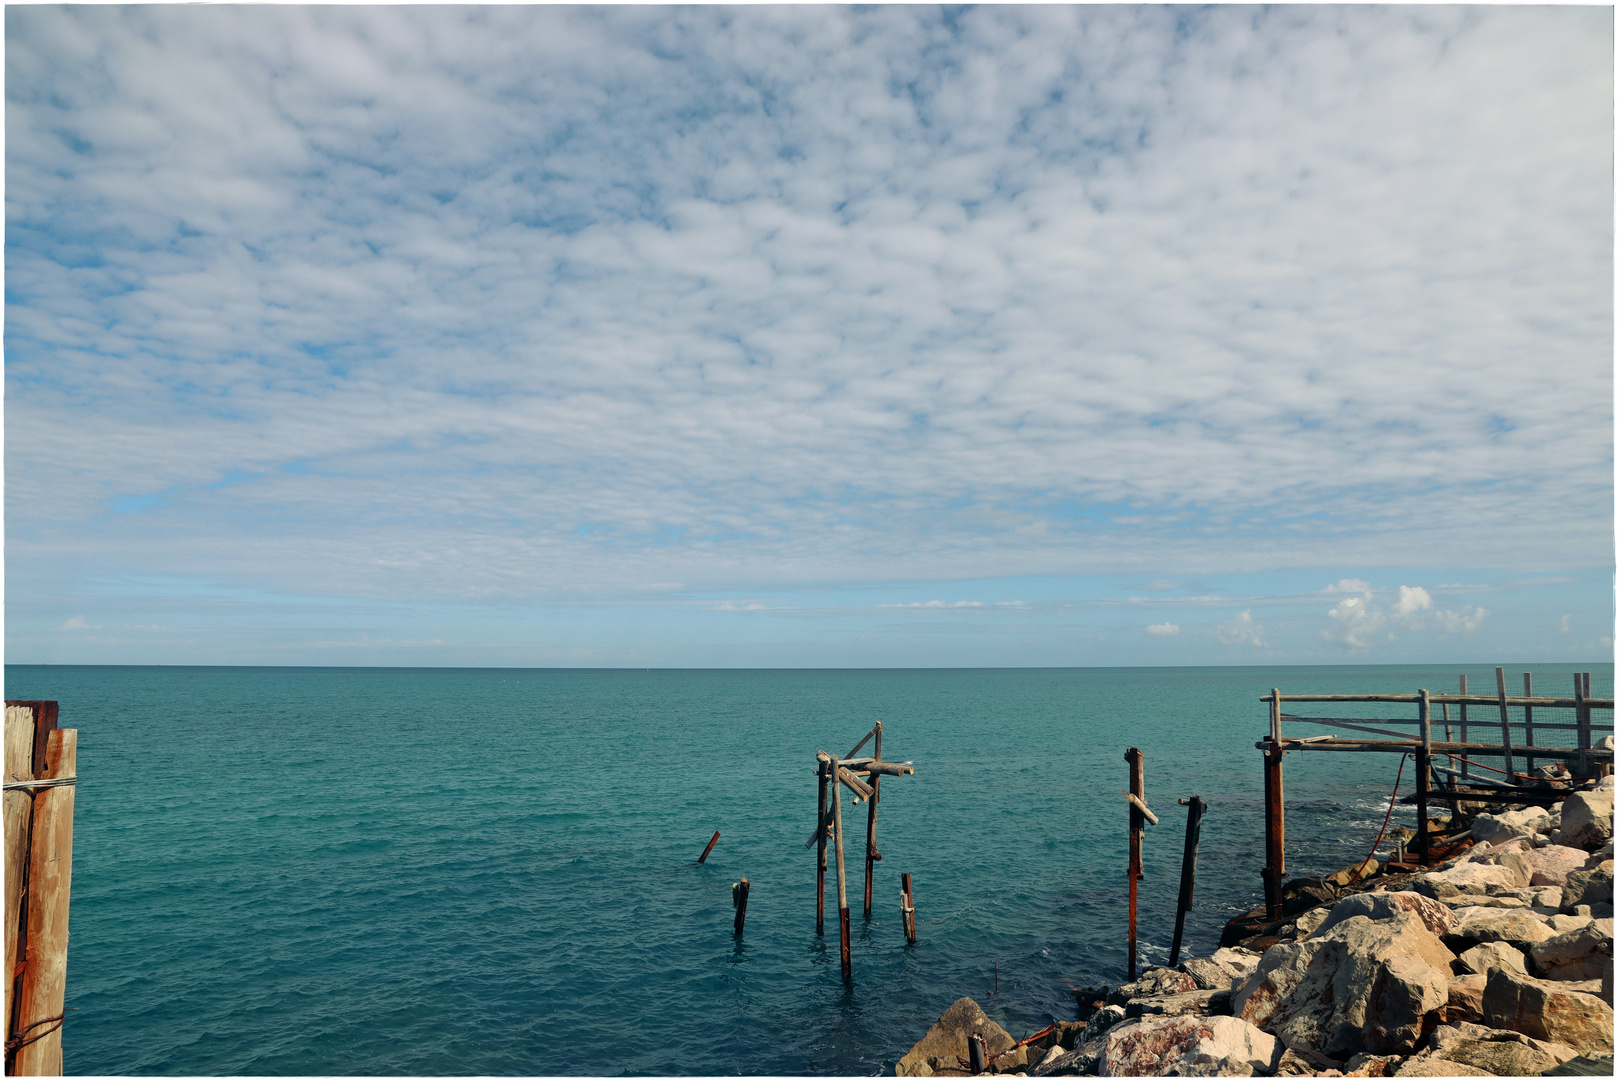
[(1465, 733), (1409, 746), (1581, 716), (1528, 721), (907, 908), (861, 743), (1275, 836), (50, 884), (1454, 699), (854, 784), (19, 805)]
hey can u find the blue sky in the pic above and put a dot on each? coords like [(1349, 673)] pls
[(808, 336)]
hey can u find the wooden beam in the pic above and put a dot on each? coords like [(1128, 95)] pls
[(1188, 871), (1409, 746), (870, 821), (19, 766), (820, 858), (1454, 699), (842, 874), (50, 884), (1137, 788)]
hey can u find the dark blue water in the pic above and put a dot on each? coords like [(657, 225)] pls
[(393, 871)]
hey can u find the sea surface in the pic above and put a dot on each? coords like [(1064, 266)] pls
[(493, 872)]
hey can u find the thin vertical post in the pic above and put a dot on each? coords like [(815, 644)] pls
[(870, 823), (1466, 768), (1528, 721), (820, 871), (738, 900), (907, 907), (1137, 827), (709, 849), (1505, 722), (1448, 783), (1275, 828), (1424, 840), (1581, 718), (842, 874), (1188, 871)]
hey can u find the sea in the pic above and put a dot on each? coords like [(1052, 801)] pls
[(391, 871)]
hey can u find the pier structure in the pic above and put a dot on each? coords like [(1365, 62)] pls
[(863, 776), (1526, 730), (41, 770)]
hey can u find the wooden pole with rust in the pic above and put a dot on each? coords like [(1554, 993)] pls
[(738, 900), (1137, 827), (19, 806), (1188, 870), (43, 989), (1505, 719), (842, 874), (1528, 722), (907, 908), (871, 855), (820, 858), (709, 849), (1424, 773), (1275, 824)]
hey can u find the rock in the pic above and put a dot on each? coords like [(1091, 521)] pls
[(1547, 1010), (1154, 982), (1474, 925), (1363, 984), (1385, 905), (1194, 1003), (1586, 819), (1582, 953), (1190, 1046), (1421, 1065), (1465, 999), (1591, 886), (1481, 959), (1302, 894), (1464, 878), (1081, 1061), (1349, 876), (1302, 1061), (1503, 1053), (1053, 1059), (1102, 1021), (1372, 1065), (1010, 1061), (1495, 828), (947, 1038), (1545, 900), (1551, 865), (1224, 967)]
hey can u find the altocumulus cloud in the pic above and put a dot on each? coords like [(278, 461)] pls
[(426, 303)]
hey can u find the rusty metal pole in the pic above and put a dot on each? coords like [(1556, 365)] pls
[(738, 900), (871, 856), (820, 866), (709, 849), (1275, 822), (1188, 871), (1137, 827), (1424, 772)]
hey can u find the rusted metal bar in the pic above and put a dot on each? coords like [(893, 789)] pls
[(1188, 871), (1137, 827), (738, 899), (705, 851), (1274, 813)]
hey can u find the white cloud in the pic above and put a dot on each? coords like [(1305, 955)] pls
[(1349, 585), (1464, 621), (1358, 622), (1241, 630), (1411, 600), (77, 623), (1163, 629), (1567, 624)]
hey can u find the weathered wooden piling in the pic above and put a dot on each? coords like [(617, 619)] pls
[(1581, 719), (842, 876), (1188, 870), (907, 908), (1505, 719), (820, 860), (1275, 825), (709, 849), (1466, 767), (738, 900), (1424, 773), (1528, 723), (1137, 828), (871, 855)]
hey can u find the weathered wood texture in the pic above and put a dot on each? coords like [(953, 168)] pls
[(1505, 717), (870, 823), (820, 857), (1424, 777), (19, 766), (907, 907), (1275, 834), (1194, 807), (842, 875), (50, 882), (1453, 699), (1137, 827)]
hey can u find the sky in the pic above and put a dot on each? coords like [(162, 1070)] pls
[(808, 336)]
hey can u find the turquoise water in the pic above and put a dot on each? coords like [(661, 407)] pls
[(395, 871)]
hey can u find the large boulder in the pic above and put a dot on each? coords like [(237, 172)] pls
[(1552, 864), (1386, 905), (1190, 1046), (1222, 969), (1592, 886), (1425, 1065), (1508, 824), (1476, 925), (1364, 984), (1547, 1010), (1482, 959), (1465, 879), (947, 1038), (1195, 1003), (1465, 999), (1154, 982), (1503, 1053), (1586, 819), (1584, 953)]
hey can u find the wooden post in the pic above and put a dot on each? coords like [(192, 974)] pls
[(977, 1053), (820, 859), (705, 851), (1424, 775), (1137, 828), (19, 805), (1528, 722), (1466, 769), (1449, 779), (1581, 718), (842, 875), (870, 822), (1275, 822), (907, 908), (1505, 722), (50, 883), (1188, 870), (738, 900)]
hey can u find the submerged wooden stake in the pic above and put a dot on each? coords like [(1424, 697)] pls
[(738, 900), (907, 908), (704, 856), (1137, 826), (1188, 870), (870, 823)]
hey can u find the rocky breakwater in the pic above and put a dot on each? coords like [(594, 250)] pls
[(1497, 962)]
